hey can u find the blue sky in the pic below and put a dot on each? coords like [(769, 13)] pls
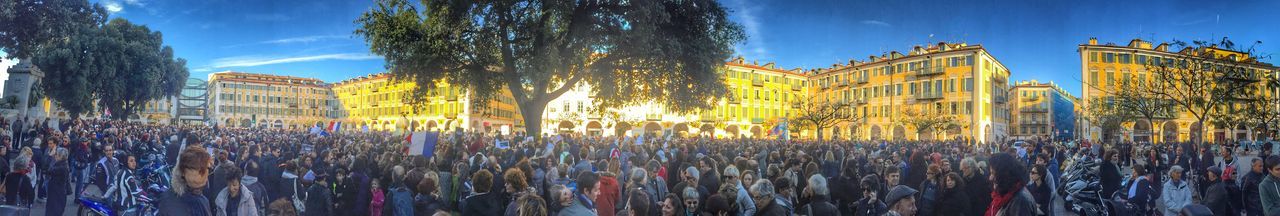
[(1035, 39)]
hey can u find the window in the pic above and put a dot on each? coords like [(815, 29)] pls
[(968, 84), (1109, 58), (1093, 76), (898, 90), (951, 85), (1093, 56), (1124, 58), (1111, 77), (912, 87), (1142, 59), (968, 61)]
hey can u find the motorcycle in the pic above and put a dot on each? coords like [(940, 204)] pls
[(1083, 189)]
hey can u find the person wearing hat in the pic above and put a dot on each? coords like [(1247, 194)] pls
[(902, 201), (870, 205), (1216, 197), (318, 197)]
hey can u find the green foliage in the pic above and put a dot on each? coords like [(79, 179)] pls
[(630, 52), (29, 25), (121, 65)]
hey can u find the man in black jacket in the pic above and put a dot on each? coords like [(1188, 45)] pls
[(318, 197), (976, 183), (1249, 186)]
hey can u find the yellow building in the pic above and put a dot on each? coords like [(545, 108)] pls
[(961, 80), (239, 99), (1105, 66), (376, 102), (761, 95), (1042, 111)]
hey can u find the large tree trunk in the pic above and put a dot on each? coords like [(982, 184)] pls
[(532, 113), (819, 128)]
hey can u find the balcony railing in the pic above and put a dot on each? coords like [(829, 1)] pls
[(1034, 110), (1031, 98), (928, 95), (757, 120), (796, 87), (734, 100), (842, 84), (929, 71), (1000, 99), (863, 80), (757, 82)]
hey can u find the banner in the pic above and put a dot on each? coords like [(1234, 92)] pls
[(423, 143), (501, 144)]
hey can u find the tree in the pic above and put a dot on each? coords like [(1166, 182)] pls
[(1107, 116), (629, 51), (1203, 77), (931, 121), (1135, 98), (29, 25), (819, 114), (120, 65)]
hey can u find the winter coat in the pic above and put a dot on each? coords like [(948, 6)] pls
[(401, 203), (426, 205), (376, 203), (1042, 195), (1175, 196), (1252, 199), (979, 190), (483, 204), (246, 206), (1020, 205), (1110, 175), (362, 194), (927, 199), (1216, 198), (609, 195), (59, 178), (577, 208), (1269, 190), (953, 202), (820, 205), (773, 209), (319, 201), (259, 191)]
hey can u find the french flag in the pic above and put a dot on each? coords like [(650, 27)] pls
[(333, 126), (422, 143)]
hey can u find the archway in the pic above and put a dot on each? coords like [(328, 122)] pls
[(835, 132), (1170, 132), (756, 132), (415, 125), (621, 128), (278, 124), (899, 133), (875, 132), (732, 131), (926, 134), (1142, 131), (594, 128), (708, 129), (246, 123), (565, 127), (431, 125), (680, 129), (652, 128), (1241, 132), (954, 132)]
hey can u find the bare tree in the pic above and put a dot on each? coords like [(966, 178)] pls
[(1136, 98), (931, 121), (1202, 78), (819, 114), (1104, 113)]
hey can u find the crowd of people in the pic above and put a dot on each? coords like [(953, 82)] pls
[(245, 172)]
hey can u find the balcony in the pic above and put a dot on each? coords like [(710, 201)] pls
[(930, 71), (1241, 75), (757, 82), (734, 100), (859, 102), (928, 95), (708, 118), (1031, 98), (796, 87), (1000, 79), (863, 80), (1033, 110), (1000, 99), (757, 120), (842, 84), (452, 97)]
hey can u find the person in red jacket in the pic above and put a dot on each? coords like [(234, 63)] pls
[(609, 192)]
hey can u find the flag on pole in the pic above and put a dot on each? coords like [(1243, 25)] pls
[(422, 143), (333, 126)]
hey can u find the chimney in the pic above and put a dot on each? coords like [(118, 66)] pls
[(768, 65), (1093, 41)]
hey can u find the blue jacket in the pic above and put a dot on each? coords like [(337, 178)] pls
[(401, 201)]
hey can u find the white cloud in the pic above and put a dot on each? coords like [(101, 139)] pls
[(876, 23), (139, 3), (746, 12), (306, 39), (113, 6), (5, 63), (254, 60)]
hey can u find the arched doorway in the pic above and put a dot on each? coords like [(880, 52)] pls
[(594, 128), (732, 131), (1142, 131), (835, 132), (708, 129), (415, 125), (431, 125), (565, 127), (680, 129), (1170, 131), (899, 133), (1241, 132), (756, 132), (926, 134), (278, 124), (954, 132), (652, 128), (621, 129), (875, 132), (246, 123)]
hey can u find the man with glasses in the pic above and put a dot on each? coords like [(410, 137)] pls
[(763, 195), (743, 200)]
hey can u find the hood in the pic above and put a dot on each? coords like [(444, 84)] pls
[(177, 183), (248, 180), (289, 175)]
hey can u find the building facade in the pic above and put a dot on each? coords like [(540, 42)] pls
[(378, 103), (1104, 67), (193, 102), (760, 97), (1042, 111), (238, 99), (960, 80)]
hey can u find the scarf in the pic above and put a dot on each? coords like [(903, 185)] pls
[(999, 200), (586, 202)]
